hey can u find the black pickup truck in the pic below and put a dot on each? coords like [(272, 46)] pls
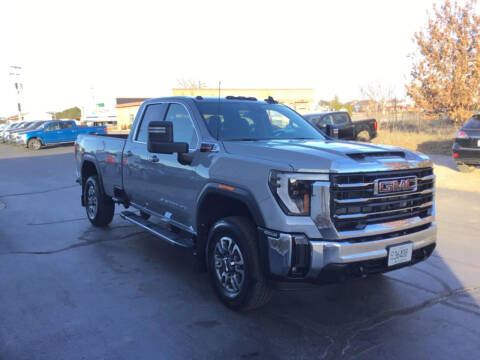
[(339, 124)]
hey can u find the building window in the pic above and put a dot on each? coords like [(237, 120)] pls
[(131, 117)]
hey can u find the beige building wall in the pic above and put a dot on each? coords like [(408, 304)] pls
[(126, 114)]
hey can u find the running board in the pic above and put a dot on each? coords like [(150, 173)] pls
[(159, 230)]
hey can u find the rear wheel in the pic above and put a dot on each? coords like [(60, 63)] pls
[(234, 264), (363, 135), (34, 144), (99, 207)]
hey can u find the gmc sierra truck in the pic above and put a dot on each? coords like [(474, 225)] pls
[(259, 195)]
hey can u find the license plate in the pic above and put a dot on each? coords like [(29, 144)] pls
[(399, 254), (478, 143)]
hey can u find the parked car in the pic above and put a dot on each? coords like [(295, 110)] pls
[(341, 126), (16, 136), (10, 138), (466, 148), (57, 132), (257, 201), (13, 127)]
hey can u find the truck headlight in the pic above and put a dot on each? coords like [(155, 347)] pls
[(293, 191)]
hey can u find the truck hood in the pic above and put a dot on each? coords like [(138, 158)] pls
[(329, 155)]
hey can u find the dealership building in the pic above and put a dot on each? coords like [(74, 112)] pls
[(302, 100)]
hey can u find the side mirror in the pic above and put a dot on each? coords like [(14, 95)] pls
[(160, 139), (332, 131)]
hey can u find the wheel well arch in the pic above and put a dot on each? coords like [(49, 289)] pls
[(88, 169), (34, 138), (215, 204), (361, 128)]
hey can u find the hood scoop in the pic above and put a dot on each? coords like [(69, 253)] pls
[(377, 155)]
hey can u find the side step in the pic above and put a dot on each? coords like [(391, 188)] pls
[(161, 231)]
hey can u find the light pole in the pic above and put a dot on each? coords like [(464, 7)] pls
[(15, 71)]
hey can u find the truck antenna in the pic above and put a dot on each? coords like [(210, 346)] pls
[(218, 108)]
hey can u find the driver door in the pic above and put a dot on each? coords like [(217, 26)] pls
[(177, 185), (52, 133)]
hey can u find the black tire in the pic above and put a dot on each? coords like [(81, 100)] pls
[(34, 144), (254, 290), (99, 207), (144, 215)]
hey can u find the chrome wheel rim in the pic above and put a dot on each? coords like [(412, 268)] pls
[(92, 205), (229, 266), (34, 144)]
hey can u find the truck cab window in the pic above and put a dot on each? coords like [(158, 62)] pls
[(53, 127), (340, 119), (153, 112), (183, 130), (326, 120), (67, 125)]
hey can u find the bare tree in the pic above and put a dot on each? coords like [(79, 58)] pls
[(191, 83), (379, 94)]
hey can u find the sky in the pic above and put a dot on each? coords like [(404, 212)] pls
[(72, 51)]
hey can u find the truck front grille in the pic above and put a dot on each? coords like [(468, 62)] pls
[(354, 204)]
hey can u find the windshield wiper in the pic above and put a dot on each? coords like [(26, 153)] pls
[(244, 139)]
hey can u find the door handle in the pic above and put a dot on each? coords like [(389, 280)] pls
[(154, 158)]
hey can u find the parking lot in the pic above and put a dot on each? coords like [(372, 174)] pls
[(71, 291)]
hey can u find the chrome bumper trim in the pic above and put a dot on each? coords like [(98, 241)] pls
[(326, 252)]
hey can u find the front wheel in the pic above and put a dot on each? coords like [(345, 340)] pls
[(234, 264), (99, 207), (34, 144)]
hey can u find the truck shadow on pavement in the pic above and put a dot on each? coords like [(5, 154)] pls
[(356, 318)]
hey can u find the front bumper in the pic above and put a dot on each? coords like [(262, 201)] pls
[(20, 141), (295, 257)]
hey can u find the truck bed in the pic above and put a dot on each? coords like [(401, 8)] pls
[(107, 150)]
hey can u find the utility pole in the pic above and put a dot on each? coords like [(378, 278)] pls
[(16, 71)]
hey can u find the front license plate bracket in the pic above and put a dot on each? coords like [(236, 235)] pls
[(399, 253)]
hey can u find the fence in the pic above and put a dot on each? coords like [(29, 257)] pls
[(415, 122)]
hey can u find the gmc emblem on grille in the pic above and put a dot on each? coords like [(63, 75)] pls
[(387, 186)]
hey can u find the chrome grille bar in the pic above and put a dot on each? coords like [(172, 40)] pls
[(363, 215), (363, 200), (354, 185)]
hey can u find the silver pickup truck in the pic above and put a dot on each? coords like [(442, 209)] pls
[(259, 195)]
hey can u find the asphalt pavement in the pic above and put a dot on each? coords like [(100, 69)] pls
[(71, 291)]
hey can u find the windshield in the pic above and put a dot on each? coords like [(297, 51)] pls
[(254, 121), (473, 123)]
